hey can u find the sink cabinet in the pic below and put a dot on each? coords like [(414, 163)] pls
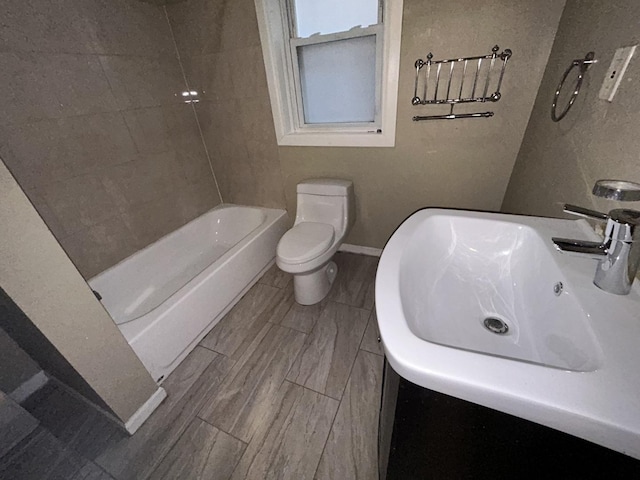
[(424, 434)]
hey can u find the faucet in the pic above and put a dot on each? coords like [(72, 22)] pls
[(619, 252)]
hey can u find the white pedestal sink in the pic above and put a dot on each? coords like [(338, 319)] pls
[(483, 307)]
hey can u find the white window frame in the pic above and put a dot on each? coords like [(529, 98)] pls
[(283, 81)]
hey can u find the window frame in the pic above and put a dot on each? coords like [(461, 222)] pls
[(283, 80)]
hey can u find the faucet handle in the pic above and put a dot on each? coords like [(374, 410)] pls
[(585, 212), (620, 190), (625, 216), (623, 225)]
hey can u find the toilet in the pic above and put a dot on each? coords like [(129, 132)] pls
[(325, 213)]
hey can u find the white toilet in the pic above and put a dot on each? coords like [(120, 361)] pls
[(324, 216)]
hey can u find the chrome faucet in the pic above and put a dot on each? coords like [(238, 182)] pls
[(619, 252)]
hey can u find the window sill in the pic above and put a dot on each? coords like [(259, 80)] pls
[(337, 139)]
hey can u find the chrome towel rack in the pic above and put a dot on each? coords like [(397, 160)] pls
[(583, 64), (471, 82)]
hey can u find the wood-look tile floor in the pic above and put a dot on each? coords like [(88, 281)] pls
[(276, 390)]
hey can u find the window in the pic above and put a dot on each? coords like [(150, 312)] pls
[(332, 69)]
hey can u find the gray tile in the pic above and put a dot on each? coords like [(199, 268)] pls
[(276, 277), (194, 381), (69, 466), (290, 447), (79, 202), (98, 247), (238, 329), (210, 75), (149, 177), (356, 274), (196, 198), (202, 451), (303, 317), (31, 153), (15, 423), (240, 26), (91, 471), (197, 29), (46, 213), (152, 220), (43, 26), (33, 458), (351, 449), (165, 128), (248, 72), (40, 86), (370, 341), (124, 27), (325, 361), (144, 81), (72, 421), (247, 397), (58, 150)]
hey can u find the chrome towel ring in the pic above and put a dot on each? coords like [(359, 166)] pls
[(583, 64)]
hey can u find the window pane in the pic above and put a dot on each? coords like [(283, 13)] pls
[(338, 80), (331, 16)]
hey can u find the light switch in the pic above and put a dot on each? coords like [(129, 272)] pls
[(615, 72)]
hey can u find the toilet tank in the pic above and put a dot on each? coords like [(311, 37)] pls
[(327, 200)]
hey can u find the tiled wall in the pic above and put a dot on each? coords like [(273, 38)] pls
[(220, 50), (94, 128)]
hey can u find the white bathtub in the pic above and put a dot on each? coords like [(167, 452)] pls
[(168, 296)]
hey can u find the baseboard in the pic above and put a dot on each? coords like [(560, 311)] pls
[(145, 411), (135, 421), (29, 387), (359, 249)]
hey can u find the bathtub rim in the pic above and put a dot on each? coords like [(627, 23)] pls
[(222, 206), (138, 326)]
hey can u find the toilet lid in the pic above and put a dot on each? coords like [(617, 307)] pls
[(304, 242)]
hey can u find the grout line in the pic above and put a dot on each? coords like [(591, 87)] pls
[(223, 431), (312, 390), (212, 350), (365, 334), (193, 108), (206, 462), (324, 447), (173, 445)]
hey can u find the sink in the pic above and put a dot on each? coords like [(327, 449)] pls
[(482, 307), (493, 287)]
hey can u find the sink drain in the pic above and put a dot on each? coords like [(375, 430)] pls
[(495, 325)]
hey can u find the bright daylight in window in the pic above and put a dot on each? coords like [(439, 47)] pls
[(332, 69)]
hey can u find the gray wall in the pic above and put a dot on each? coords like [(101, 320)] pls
[(559, 162), (220, 50), (456, 164), (465, 164), (94, 128)]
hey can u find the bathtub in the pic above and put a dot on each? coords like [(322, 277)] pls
[(168, 296)]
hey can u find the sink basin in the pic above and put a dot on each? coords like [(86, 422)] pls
[(493, 287), (480, 306)]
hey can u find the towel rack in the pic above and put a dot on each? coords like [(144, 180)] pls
[(470, 82), (583, 64)]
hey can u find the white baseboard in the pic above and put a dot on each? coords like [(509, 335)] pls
[(29, 387), (372, 252), (145, 411)]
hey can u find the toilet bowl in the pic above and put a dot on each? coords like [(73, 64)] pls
[(325, 213)]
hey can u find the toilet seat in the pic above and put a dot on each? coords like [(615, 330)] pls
[(304, 242)]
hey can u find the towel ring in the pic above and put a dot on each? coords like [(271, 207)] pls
[(583, 63)]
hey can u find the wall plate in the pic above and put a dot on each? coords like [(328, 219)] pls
[(616, 70)]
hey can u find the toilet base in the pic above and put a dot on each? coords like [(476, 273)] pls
[(311, 288)]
